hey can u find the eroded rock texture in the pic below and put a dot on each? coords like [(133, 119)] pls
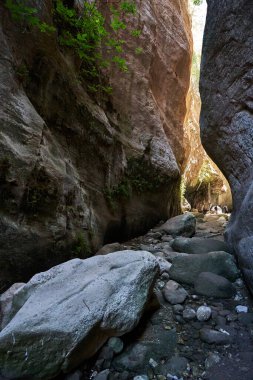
[(63, 316), (65, 158), (227, 113)]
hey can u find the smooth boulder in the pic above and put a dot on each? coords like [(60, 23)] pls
[(181, 225), (63, 316), (185, 269), (198, 245), (212, 285)]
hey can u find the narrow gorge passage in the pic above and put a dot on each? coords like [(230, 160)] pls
[(122, 254)]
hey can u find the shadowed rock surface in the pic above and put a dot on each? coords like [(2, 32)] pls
[(227, 113), (63, 316)]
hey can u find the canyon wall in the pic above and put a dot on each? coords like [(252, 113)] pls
[(75, 170), (227, 113)]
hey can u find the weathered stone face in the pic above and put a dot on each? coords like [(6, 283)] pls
[(63, 316), (227, 108), (76, 171)]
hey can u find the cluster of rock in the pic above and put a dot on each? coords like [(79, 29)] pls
[(62, 317)]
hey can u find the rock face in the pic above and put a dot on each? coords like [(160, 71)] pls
[(63, 316), (226, 117), (76, 171)]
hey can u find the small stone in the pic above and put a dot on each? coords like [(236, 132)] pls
[(241, 309), (215, 337), (212, 360), (141, 377), (115, 344), (102, 375), (231, 317), (174, 293), (204, 313), (239, 283), (165, 276), (178, 309), (160, 284), (189, 314), (153, 363)]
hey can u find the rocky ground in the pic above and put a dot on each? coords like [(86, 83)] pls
[(197, 323), (189, 336)]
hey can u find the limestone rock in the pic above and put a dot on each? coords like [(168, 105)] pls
[(64, 315), (198, 245), (185, 269), (212, 285), (184, 225), (226, 117)]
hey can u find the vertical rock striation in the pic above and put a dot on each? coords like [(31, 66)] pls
[(75, 170), (227, 113)]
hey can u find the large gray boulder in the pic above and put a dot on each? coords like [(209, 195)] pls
[(186, 268), (198, 245), (181, 225), (227, 113), (63, 316)]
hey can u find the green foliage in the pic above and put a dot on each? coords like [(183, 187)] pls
[(197, 2), (27, 15), (85, 33), (140, 177), (80, 247), (206, 173)]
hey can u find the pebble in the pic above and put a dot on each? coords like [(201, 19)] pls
[(141, 377), (212, 360), (241, 309), (115, 344), (204, 313), (153, 363), (189, 314), (178, 309), (102, 375)]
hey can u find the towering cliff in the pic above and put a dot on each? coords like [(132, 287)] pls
[(203, 182), (227, 109), (76, 170)]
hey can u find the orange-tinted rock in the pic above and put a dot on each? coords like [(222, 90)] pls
[(76, 172)]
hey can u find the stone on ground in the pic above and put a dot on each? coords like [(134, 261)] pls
[(174, 293), (63, 316), (184, 225), (109, 248), (185, 269), (212, 285), (198, 245), (215, 337), (204, 313)]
